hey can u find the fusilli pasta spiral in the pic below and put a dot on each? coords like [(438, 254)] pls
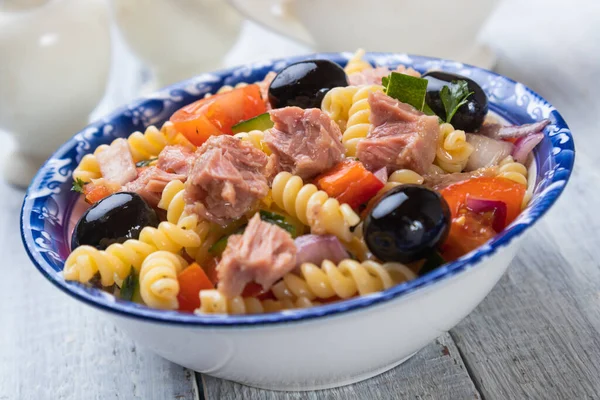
[(359, 113), (344, 280), (313, 207), (114, 263), (256, 138), (142, 146), (173, 202), (453, 150), (357, 63), (337, 103), (515, 171), (158, 279), (213, 302)]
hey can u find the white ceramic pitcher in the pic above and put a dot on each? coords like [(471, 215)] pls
[(177, 39), (440, 28), (54, 64)]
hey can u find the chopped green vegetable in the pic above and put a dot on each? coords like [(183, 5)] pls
[(261, 122), (78, 185), (454, 96), (145, 163), (129, 285), (433, 262), (406, 89), (279, 220), (219, 247)]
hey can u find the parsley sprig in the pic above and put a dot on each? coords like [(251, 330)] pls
[(78, 185), (454, 96)]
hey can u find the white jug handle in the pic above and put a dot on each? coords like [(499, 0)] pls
[(276, 15)]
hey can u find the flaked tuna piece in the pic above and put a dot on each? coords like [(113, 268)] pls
[(176, 159), (150, 184), (401, 137), (264, 87), (373, 76), (227, 179), (305, 142), (263, 254), (440, 181), (116, 163), (497, 131)]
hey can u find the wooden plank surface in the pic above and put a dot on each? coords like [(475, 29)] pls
[(436, 372), (52, 347)]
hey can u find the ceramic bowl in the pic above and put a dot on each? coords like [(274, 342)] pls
[(320, 347)]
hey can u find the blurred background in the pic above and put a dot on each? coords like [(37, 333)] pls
[(66, 62)]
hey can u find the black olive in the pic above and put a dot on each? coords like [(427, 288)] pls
[(114, 219), (305, 83), (407, 224), (469, 116)]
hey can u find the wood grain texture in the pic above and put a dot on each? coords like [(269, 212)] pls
[(436, 372), (52, 347), (537, 335)]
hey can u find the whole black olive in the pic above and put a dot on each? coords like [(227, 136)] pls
[(407, 224), (305, 83), (114, 219), (469, 116)]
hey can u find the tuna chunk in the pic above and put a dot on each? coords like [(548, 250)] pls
[(227, 179), (401, 137), (369, 76), (116, 163), (373, 76), (176, 159), (263, 254), (264, 87), (150, 184), (441, 181), (305, 142)]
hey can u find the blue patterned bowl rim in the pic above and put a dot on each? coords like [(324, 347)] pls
[(48, 202)]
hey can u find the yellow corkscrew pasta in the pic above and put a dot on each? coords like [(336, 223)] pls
[(344, 280), (213, 302), (357, 63), (359, 113), (173, 202), (256, 138), (114, 263), (313, 207), (515, 171), (143, 146), (337, 103), (158, 279), (453, 150)]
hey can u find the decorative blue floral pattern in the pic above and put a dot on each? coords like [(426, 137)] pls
[(49, 201)]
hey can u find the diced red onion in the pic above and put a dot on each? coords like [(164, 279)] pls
[(381, 174), (316, 248), (488, 152), (524, 146), (484, 205), (497, 131)]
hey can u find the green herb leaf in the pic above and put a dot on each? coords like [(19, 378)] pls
[(78, 185), (279, 220), (145, 163), (454, 96), (406, 89), (129, 285)]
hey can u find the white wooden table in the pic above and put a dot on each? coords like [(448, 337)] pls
[(536, 336)]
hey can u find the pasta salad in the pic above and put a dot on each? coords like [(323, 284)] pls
[(315, 185)]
